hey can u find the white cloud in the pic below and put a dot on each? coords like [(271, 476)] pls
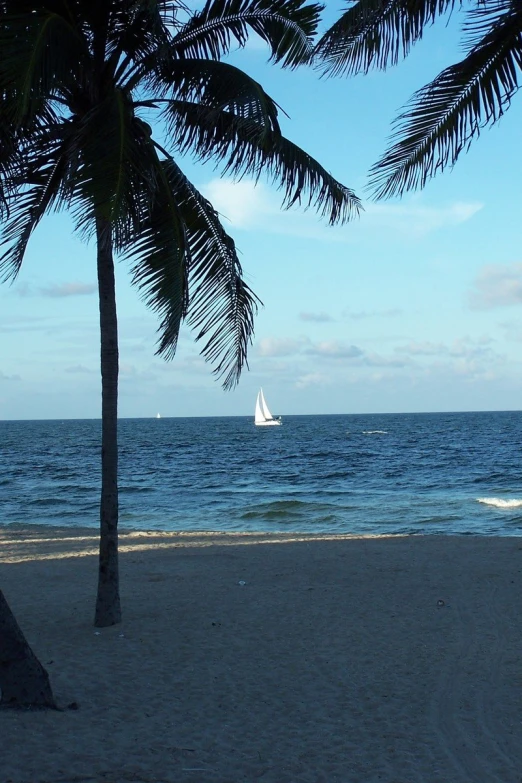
[(132, 373), (249, 205), (22, 324), (513, 329), (4, 377), (327, 349), (242, 203), (415, 219), (363, 314), (23, 289), (273, 346), (462, 349), (69, 289), (316, 317), (376, 360), (312, 364), (497, 285), (333, 349), (424, 348), (312, 379), (80, 369), (135, 381)]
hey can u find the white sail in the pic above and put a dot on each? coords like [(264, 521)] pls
[(262, 416), (264, 406), (259, 415)]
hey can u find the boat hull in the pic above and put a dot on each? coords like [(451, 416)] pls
[(272, 423)]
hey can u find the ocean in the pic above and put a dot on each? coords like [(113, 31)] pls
[(452, 473)]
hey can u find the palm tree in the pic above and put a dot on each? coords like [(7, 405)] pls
[(79, 82), (23, 680), (444, 116)]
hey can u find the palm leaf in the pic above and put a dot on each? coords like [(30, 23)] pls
[(248, 147), (118, 164), (42, 186), (376, 33), (158, 254), (186, 265), (287, 26), (10, 159), (222, 306), (41, 55), (217, 85), (138, 29), (442, 118)]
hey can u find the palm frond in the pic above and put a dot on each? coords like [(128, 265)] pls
[(186, 266), (217, 85), (40, 56), (442, 118), (376, 33), (137, 28), (39, 184), (11, 160), (247, 147), (221, 306), (117, 163), (159, 253), (287, 26), (18, 7)]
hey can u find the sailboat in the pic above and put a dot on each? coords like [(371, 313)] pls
[(158, 415), (263, 417)]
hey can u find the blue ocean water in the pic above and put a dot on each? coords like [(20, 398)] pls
[(394, 473)]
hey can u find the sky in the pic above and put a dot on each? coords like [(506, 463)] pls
[(415, 306)]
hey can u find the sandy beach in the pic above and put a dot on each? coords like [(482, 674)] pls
[(344, 659)]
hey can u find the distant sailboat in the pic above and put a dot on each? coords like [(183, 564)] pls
[(263, 417), (158, 415)]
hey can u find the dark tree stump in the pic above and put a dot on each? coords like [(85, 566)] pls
[(23, 680)]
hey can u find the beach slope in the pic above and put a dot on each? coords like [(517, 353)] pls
[(273, 658)]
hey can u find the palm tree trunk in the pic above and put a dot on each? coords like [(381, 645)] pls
[(23, 680), (108, 609)]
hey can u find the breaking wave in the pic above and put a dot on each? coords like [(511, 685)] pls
[(501, 502)]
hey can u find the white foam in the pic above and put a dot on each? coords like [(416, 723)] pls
[(500, 502), (375, 432)]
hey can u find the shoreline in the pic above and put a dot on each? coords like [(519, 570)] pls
[(334, 662), (26, 543), (68, 540)]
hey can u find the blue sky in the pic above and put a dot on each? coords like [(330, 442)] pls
[(415, 306)]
